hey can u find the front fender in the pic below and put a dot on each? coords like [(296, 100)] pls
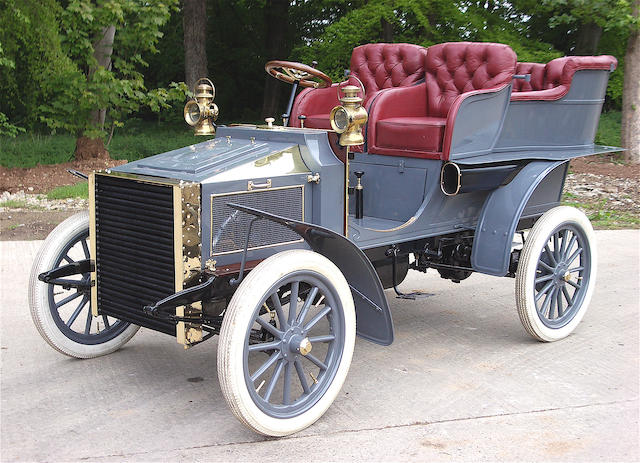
[(500, 216), (373, 316)]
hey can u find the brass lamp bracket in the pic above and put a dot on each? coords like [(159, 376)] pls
[(201, 111)]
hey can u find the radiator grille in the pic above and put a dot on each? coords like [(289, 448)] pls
[(229, 226), (134, 248)]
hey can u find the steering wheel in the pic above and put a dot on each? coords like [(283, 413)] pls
[(291, 72)]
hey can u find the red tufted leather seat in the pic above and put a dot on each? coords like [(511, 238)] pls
[(378, 65), (552, 81), (418, 121)]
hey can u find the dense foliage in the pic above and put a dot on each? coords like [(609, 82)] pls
[(49, 79)]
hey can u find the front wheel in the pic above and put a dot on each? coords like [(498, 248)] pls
[(556, 274), (63, 315), (286, 342)]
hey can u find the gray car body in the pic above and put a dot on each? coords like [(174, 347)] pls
[(403, 201)]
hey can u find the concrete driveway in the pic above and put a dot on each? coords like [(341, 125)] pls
[(462, 381)]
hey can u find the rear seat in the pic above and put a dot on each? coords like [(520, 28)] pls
[(552, 81)]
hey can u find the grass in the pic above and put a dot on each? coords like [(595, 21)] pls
[(79, 190), (609, 129), (603, 217), (19, 204), (137, 140)]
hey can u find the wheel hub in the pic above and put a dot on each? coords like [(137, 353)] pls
[(561, 274), (294, 342)]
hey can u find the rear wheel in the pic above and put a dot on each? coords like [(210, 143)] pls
[(63, 315), (286, 342), (556, 274)]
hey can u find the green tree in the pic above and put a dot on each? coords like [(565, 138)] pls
[(105, 41)]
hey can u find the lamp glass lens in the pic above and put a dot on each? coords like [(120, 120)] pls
[(341, 119), (194, 113)]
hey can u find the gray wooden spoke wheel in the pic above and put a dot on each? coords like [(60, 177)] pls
[(286, 342), (63, 316), (556, 274)]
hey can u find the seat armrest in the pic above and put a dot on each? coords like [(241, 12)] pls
[(474, 122), (543, 95), (396, 102)]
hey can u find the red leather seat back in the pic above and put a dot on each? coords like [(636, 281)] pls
[(386, 65), (458, 67), (536, 71)]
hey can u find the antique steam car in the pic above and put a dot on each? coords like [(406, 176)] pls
[(281, 239)]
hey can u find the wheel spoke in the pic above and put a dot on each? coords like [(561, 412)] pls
[(293, 301), (274, 379), (85, 248), (573, 256), (105, 319), (269, 327), (286, 389), (317, 318), (307, 303), (550, 254), (543, 291), (576, 269), (574, 284), (277, 305), (546, 266), (556, 250), (301, 376), (552, 307), (544, 278), (264, 346), (325, 338), (574, 238), (265, 366), (567, 296), (547, 300), (87, 327), (68, 259), (67, 299), (315, 360), (76, 312), (559, 302), (563, 243)]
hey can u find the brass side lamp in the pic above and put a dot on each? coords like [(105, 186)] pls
[(200, 111), (348, 119)]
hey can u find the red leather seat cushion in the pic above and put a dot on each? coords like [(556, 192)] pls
[(412, 133)]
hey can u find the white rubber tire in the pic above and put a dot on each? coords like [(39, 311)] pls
[(526, 273), (238, 317), (39, 295)]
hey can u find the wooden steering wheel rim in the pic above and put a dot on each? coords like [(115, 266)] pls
[(273, 68)]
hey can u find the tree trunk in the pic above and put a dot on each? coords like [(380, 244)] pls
[(588, 39), (387, 30), (195, 41), (631, 95), (88, 148), (276, 15)]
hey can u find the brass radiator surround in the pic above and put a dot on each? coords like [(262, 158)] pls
[(187, 244)]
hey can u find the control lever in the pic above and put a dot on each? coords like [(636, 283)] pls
[(359, 195), (302, 118)]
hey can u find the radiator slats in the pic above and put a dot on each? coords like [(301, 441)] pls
[(135, 248)]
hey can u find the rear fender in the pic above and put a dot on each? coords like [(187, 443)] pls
[(501, 213), (374, 321)]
